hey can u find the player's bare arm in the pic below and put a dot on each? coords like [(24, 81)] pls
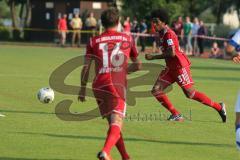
[(235, 57), (84, 79), (233, 45), (170, 52), (136, 65)]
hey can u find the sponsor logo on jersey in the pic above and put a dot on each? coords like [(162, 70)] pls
[(170, 42)]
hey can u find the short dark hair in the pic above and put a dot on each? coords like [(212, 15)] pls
[(110, 17), (161, 14)]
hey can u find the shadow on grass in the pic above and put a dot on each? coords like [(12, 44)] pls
[(31, 112), (209, 121), (13, 158), (149, 140), (216, 68), (224, 79)]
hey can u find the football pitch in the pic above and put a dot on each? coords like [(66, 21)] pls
[(32, 131)]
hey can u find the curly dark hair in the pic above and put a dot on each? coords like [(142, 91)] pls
[(160, 14), (110, 17)]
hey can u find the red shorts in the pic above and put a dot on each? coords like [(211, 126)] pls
[(110, 99), (182, 76)]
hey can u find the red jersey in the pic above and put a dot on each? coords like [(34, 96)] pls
[(111, 51), (153, 30), (127, 27), (167, 38), (62, 24), (178, 27)]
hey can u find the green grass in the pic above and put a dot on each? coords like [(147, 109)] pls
[(31, 130)]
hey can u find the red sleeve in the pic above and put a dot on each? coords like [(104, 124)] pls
[(89, 50), (169, 40), (134, 52)]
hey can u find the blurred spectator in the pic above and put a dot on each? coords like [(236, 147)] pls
[(195, 28), (177, 27), (143, 29), (62, 29), (134, 24), (76, 24), (153, 31), (135, 29), (91, 23), (215, 51), (225, 55), (201, 32), (127, 25), (119, 27), (100, 26), (187, 29)]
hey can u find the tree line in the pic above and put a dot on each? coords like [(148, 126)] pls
[(193, 8), (21, 10)]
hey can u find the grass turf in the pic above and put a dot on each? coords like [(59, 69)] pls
[(31, 130)]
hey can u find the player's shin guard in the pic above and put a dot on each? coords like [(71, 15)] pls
[(121, 148), (163, 99), (112, 137), (202, 98)]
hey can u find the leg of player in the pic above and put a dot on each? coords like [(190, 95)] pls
[(191, 93), (158, 92), (121, 148), (115, 125), (237, 122)]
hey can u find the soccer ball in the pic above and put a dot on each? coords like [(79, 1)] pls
[(45, 95), (238, 138)]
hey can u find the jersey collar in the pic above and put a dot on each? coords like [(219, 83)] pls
[(111, 31), (164, 31)]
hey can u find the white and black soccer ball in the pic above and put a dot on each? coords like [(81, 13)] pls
[(45, 95), (238, 138)]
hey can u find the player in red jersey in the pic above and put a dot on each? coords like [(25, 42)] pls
[(177, 69), (110, 52)]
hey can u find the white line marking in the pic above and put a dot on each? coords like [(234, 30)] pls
[(1, 115)]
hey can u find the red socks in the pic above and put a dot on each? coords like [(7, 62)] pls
[(198, 96), (121, 148), (112, 138), (163, 99), (202, 98)]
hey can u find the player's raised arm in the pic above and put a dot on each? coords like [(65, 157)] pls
[(85, 73)]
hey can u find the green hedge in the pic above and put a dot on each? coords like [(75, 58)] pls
[(5, 34), (222, 31)]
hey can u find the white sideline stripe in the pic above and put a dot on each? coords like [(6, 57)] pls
[(2, 115)]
